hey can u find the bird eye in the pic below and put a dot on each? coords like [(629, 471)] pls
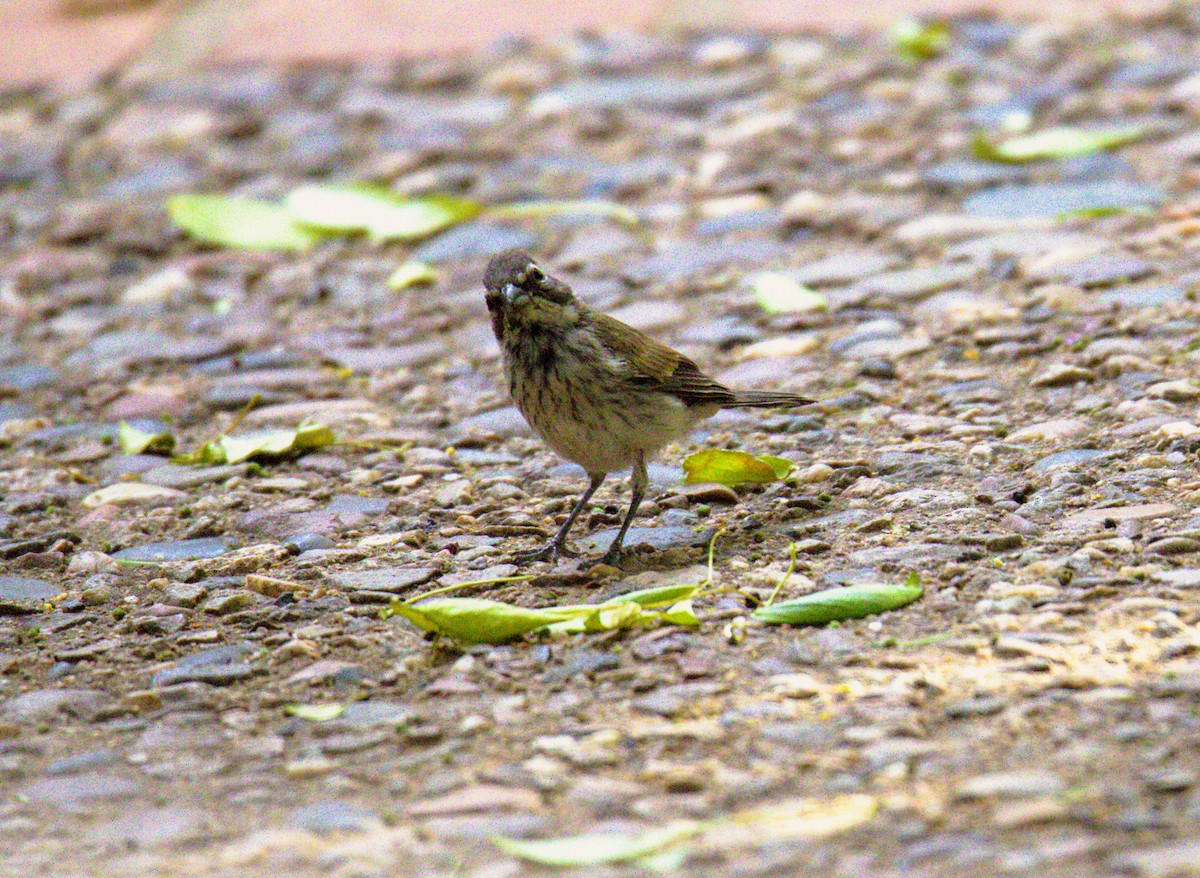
[(536, 274)]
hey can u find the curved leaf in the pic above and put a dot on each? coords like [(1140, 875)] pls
[(728, 468), (835, 604), (379, 212), (476, 620), (1061, 142), (238, 222), (597, 848)]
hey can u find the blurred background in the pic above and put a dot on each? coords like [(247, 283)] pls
[(69, 42)]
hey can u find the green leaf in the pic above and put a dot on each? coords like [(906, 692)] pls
[(275, 442), (920, 40), (728, 468), (608, 209), (777, 293), (655, 597), (476, 620), (598, 848), (835, 604), (208, 454), (1061, 142), (317, 713), (238, 222), (410, 274), (135, 441), (379, 212), (681, 613), (782, 466)]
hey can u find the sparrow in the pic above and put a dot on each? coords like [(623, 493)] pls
[(597, 391)]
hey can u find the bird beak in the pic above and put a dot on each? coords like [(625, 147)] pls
[(510, 292)]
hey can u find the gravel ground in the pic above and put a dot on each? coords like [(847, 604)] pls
[(1008, 373)]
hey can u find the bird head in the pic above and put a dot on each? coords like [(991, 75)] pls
[(521, 295)]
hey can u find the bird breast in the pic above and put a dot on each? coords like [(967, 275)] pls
[(572, 392)]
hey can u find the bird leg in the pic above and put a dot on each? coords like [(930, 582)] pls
[(638, 483), (558, 546)]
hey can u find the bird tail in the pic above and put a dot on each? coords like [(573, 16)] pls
[(765, 399)]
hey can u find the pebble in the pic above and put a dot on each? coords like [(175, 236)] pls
[(1062, 375), (1010, 785), (1057, 430)]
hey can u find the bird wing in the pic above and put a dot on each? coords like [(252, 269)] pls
[(654, 366)]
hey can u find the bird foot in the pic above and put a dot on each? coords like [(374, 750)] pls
[(612, 557), (548, 552)]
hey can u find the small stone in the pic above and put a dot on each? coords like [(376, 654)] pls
[(1175, 860), (226, 601), (1004, 542), (335, 816), (45, 705), (1096, 518), (1011, 785), (1170, 780), (1012, 815), (1172, 546), (1057, 430), (185, 594), (1181, 390), (983, 705), (1062, 375), (708, 492), (132, 493)]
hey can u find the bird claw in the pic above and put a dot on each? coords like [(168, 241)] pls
[(549, 552), (612, 557)]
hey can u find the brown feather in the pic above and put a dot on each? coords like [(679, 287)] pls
[(655, 366)]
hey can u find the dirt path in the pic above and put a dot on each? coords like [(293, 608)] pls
[(194, 675)]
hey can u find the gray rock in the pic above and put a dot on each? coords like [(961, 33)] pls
[(176, 550), (218, 666), (20, 595), (1056, 199), (909, 556), (394, 580), (44, 705), (335, 815), (658, 538), (72, 790), (152, 828), (685, 93)]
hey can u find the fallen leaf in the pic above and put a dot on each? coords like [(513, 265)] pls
[(129, 493), (1061, 142), (733, 467), (920, 40), (275, 442), (135, 441), (382, 214), (835, 604), (238, 222), (410, 274), (777, 293), (476, 620), (592, 207), (317, 713), (598, 848)]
